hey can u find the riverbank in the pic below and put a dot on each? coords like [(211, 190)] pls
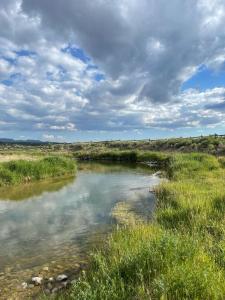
[(15, 172), (181, 254)]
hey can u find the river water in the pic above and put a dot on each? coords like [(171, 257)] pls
[(50, 225)]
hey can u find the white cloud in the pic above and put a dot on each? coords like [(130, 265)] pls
[(144, 49)]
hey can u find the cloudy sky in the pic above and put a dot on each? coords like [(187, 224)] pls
[(111, 69)]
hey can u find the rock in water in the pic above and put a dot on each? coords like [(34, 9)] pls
[(61, 277)]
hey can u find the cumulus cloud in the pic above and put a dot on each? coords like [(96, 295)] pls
[(109, 65)]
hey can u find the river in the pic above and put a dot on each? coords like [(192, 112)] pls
[(46, 227)]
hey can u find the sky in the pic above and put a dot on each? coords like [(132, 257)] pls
[(73, 70)]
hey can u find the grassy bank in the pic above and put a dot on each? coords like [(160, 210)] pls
[(180, 255), (21, 171), (160, 158)]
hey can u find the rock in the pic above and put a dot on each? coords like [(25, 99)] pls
[(24, 285), (51, 279), (64, 284), (45, 269), (47, 291), (59, 267), (30, 286), (49, 286), (37, 280), (55, 290), (77, 265), (61, 277), (158, 173)]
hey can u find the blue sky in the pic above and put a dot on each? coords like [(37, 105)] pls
[(87, 71)]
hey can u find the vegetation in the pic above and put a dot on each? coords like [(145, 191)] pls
[(213, 144), (19, 171), (180, 254)]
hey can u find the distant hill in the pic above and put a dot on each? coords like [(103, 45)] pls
[(23, 142)]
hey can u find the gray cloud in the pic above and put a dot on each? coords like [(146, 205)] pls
[(158, 41)]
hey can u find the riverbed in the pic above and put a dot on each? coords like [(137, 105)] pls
[(48, 227)]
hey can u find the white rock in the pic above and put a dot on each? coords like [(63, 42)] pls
[(37, 280), (24, 285), (61, 277)]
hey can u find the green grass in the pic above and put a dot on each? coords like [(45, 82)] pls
[(180, 254), (20, 171)]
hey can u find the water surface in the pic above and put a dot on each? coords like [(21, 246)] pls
[(52, 222)]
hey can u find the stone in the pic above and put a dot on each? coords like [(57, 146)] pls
[(51, 279), (24, 285), (31, 286), (55, 290), (45, 269), (37, 280), (64, 284), (47, 291), (77, 265), (59, 267), (49, 285), (61, 277)]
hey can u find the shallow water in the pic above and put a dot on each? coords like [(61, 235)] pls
[(53, 222)]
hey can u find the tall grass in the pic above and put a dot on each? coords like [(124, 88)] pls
[(20, 171), (180, 254), (160, 158)]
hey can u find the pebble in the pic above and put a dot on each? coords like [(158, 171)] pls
[(51, 279), (77, 265), (45, 269), (49, 285), (37, 280), (61, 277), (47, 291), (64, 284), (55, 290), (24, 285)]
